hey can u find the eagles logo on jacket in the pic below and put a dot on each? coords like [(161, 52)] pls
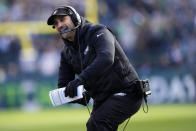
[(97, 58)]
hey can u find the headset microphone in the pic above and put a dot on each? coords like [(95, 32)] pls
[(68, 30)]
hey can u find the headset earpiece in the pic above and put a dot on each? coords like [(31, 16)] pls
[(74, 16)]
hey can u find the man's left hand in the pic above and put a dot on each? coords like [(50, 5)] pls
[(83, 101), (71, 89)]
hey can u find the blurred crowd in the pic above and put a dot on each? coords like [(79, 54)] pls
[(157, 35)]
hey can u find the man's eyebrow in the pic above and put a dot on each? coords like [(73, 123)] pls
[(57, 17)]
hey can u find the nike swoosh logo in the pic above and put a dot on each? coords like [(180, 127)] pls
[(99, 35)]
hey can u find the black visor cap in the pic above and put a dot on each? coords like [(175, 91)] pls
[(57, 12)]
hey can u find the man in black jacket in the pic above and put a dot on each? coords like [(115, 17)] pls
[(92, 53)]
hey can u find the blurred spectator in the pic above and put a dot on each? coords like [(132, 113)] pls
[(9, 56), (49, 61), (176, 54), (2, 75)]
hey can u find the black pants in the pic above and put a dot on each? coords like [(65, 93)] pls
[(116, 109)]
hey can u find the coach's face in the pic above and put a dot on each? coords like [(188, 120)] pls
[(64, 22)]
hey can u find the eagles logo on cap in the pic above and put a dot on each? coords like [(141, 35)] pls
[(55, 12)]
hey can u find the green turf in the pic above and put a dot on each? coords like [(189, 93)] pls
[(159, 118)]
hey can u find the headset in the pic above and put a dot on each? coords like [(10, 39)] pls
[(75, 17)]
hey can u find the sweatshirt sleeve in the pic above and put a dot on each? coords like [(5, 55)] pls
[(103, 43), (66, 73)]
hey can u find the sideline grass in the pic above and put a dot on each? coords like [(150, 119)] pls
[(159, 118)]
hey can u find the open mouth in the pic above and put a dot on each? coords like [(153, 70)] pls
[(63, 29)]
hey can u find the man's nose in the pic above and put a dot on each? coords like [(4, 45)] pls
[(60, 25)]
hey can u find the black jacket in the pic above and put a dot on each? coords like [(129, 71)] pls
[(97, 58)]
